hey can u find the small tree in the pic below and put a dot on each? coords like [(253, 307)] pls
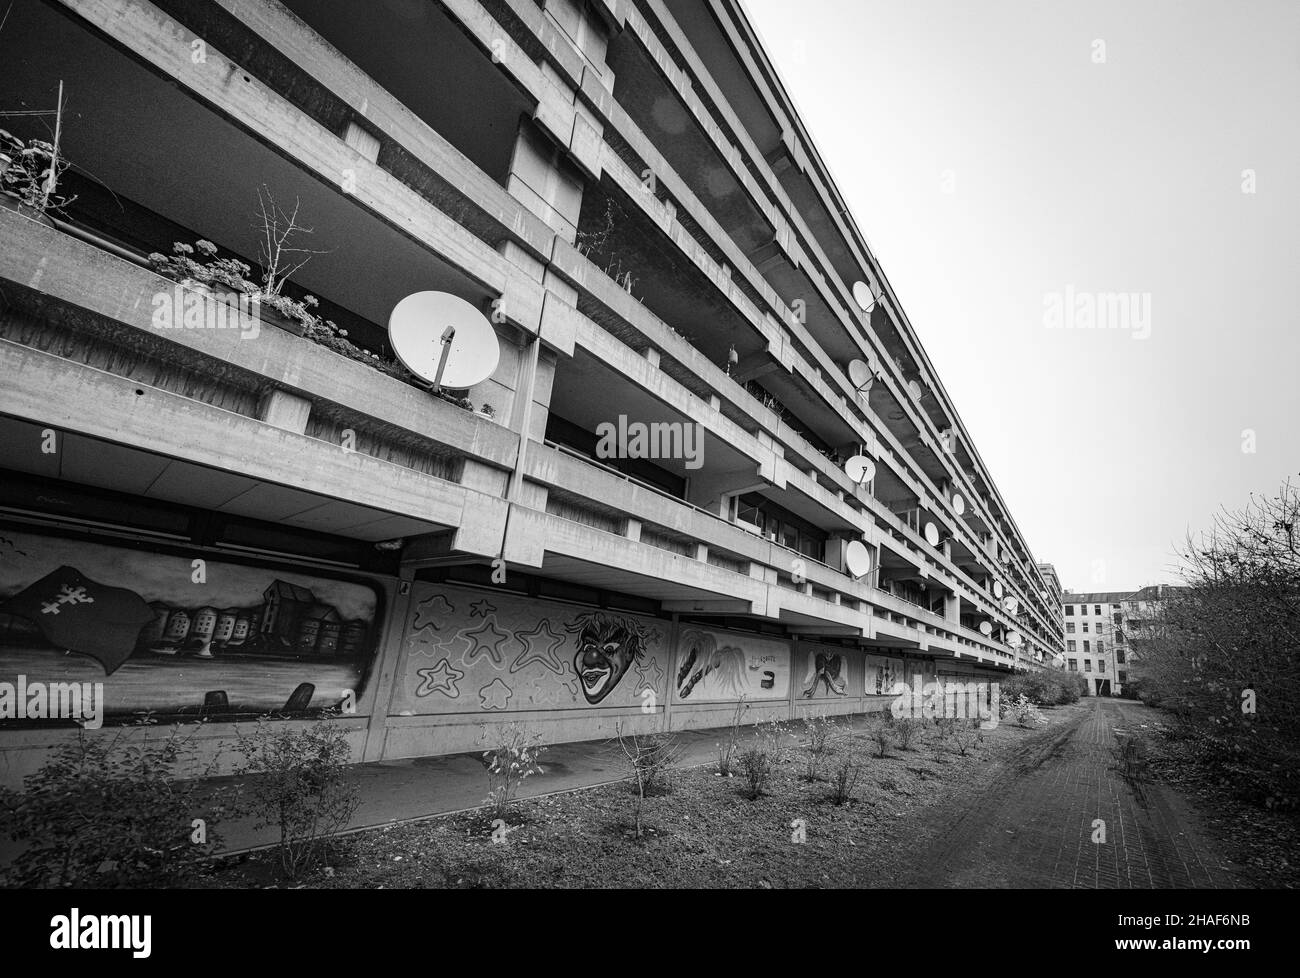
[(298, 784), (905, 731), (847, 774), (649, 759), (882, 737), (966, 737), (510, 764), (818, 730)]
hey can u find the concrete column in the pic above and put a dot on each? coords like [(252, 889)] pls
[(544, 182), (285, 411)]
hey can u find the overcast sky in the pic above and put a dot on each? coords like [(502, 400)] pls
[(994, 161)]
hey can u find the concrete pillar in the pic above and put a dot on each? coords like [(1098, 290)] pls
[(285, 411), (544, 182)]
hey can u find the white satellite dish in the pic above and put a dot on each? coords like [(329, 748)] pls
[(986, 629), (1012, 605), (958, 504), (863, 296), (443, 339), (915, 388), (931, 534), (857, 558), (860, 469), (861, 376), (997, 589), (1014, 640)]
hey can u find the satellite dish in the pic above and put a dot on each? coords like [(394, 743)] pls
[(443, 339), (857, 558), (861, 376), (1043, 595), (997, 589), (863, 296), (860, 469), (1014, 640), (958, 504), (915, 388), (1012, 605), (931, 534), (986, 629)]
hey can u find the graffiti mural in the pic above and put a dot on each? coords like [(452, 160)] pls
[(168, 639), (714, 666), (826, 673), (466, 652), (882, 674)]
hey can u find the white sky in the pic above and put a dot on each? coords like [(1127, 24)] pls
[(1125, 177)]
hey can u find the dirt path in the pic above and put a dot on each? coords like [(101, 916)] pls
[(1033, 823)]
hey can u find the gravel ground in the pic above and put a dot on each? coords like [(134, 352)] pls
[(704, 832)]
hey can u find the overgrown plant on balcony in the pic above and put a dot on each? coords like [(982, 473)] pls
[(30, 171)]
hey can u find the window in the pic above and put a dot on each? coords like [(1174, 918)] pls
[(1069, 645), (1085, 647), (1069, 628), (1085, 627), (1069, 610), (1074, 665), (1101, 665), (1096, 610), (1119, 657), (1087, 665), (1123, 676), (789, 536), (1101, 646)]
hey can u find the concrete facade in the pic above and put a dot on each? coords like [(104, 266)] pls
[(624, 189)]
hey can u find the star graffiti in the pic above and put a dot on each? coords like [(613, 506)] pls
[(484, 640), (649, 673), (495, 695), (441, 678), (432, 612), (482, 608), (539, 650)]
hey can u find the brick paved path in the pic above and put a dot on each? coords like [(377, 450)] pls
[(1032, 825)]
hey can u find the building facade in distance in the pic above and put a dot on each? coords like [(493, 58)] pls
[(225, 508)]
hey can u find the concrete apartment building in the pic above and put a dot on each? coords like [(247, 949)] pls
[(1095, 639), (226, 523)]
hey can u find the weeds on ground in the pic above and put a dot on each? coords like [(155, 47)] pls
[(727, 749)]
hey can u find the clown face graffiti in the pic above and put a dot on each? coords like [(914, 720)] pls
[(607, 647)]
